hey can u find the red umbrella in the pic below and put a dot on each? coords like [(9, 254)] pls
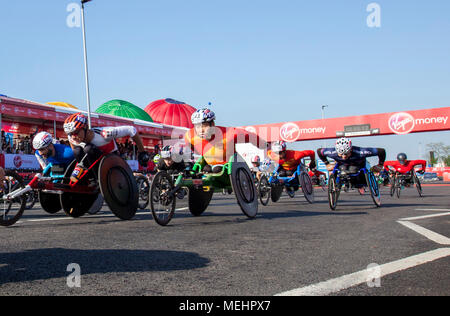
[(171, 112)]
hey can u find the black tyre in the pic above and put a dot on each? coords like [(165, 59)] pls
[(11, 210), (144, 191), (392, 184), (374, 188), (244, 187), (398, 187), (418, 184), (275, 192), (118, 186), (50, 203), (75, 204), (199, 200), (161, 204), (264, 190), (333, 192), (307, 186)]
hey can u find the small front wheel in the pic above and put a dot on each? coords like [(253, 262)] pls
[(162, 202), (333, 192), (264, 190), (11, 210)]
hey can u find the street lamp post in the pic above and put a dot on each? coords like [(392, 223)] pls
[(86, 76), (323, 117)]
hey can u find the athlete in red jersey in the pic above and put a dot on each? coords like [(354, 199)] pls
[(289, 160), (215, 144), (403, 165), (90, 144)]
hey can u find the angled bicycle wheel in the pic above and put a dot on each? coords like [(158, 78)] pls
[(418, 184), (333, 192), (161, 203), (264, 190), (307, 187), (11, 210), (374, 189)]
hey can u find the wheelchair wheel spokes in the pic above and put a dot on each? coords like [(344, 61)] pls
[(418, 184), (264, 190), (161, 202), (144, 191), (11, 210), (333, 192), (372, 183), (307, 187)]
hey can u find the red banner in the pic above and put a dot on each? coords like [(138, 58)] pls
[(399, 123)]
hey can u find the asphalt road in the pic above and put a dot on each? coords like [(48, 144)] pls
[(292, 247)]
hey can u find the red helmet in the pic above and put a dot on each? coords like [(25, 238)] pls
[(74, 123)]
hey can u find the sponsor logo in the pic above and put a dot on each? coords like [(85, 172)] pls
[(17, 161), (289, 132), (401, 123)]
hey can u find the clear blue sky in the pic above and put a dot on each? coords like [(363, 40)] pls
[(257, 61)]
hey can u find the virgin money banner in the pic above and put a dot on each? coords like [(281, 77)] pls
[(394, 123), (28, 162)]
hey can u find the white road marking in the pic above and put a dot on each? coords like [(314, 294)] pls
[(423, 217), (437, 238), (350, 280), (432, 209)]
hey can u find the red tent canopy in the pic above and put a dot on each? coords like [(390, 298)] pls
[(171, 112)]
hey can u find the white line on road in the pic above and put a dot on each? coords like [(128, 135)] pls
[(437, 238), (350, 280), (424, 217), (433, 209)]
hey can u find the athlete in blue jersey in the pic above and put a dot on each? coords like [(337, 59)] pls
[(47, 152), (351, 159)]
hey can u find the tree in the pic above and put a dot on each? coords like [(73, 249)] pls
[(441, 152)]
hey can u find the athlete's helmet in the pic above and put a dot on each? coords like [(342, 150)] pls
[(42, 140), (343, 146), (401, 157), (74, 123), (166, 152), (256, 159), (203, 116), (279, 146)]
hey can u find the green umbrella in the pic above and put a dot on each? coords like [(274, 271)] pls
[(124, 109)]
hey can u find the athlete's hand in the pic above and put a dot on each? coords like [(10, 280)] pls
[(330, 167)]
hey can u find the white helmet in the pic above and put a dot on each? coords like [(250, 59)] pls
[(42, 140), (202, 116), (343, 146), (166, 152), (278, 147)]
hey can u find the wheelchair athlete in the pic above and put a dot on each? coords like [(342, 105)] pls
[(47, 152), (405, 167), (215, 144), (170, 161), (289, 160), (89, 144), (351, 159)]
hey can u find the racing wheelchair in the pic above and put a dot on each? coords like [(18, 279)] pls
[(235, 175), (109, 176), (339, 179), (271, 186), (398, 181)]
